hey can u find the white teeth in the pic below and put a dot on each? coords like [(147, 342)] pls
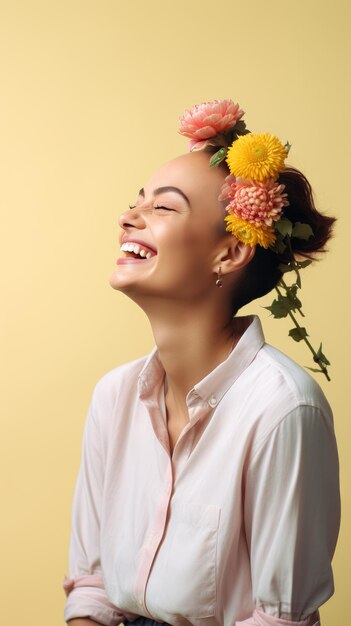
[(134, 247)]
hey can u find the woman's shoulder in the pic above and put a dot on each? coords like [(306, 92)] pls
[(270, 377), (278, 392), (285, 378)]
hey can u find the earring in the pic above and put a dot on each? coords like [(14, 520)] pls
[(218, 281)]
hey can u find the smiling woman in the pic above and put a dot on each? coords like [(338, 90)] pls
[(208, 490), (183, 221)]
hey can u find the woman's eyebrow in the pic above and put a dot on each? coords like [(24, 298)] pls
[(159, 190)]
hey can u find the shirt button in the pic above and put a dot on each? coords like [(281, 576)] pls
[(212, 401)]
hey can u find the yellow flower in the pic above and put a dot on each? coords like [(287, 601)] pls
[(256, 156), (250, 234)]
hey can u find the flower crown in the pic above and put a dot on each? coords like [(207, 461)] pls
[(256, 198)]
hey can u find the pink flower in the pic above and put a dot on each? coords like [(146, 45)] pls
[(208, 119), (228, 188), (259, 202)]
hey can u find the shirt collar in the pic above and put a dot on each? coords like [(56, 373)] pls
[(214, 385)]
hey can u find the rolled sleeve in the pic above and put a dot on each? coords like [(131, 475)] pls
[(86, 596), (90, 601), (292, 516), (259, 618)]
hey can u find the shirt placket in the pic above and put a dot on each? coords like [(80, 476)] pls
[(198, 410), (156, 531), (174, 466)]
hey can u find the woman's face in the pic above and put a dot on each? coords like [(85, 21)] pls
[(176, 213)]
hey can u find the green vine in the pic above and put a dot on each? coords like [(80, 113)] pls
[(287, 302)]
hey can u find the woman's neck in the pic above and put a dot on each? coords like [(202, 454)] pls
[(191, 343)]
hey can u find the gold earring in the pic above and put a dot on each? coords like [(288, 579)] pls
[(218, 281)]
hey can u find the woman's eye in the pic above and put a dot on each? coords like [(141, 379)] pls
[(132, 206)]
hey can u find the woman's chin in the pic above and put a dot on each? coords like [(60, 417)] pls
[(129, 272), (118, 281), (125, 281)]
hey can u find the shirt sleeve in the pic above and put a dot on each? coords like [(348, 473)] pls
[(86, 596), (292, 516)]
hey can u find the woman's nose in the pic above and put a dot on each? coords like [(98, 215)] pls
[(132, 217)]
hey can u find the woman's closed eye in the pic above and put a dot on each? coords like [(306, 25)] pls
[(132, 206), (163, 207)]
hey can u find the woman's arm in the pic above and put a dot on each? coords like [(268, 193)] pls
[(87, 601), (292, 515)]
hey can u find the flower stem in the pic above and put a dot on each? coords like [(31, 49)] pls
[(283, 283), (315, 356), (295, 268)]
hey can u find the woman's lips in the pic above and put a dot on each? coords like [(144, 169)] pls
[(123, 260)]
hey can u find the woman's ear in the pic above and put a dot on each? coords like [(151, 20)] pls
[(235, 255)]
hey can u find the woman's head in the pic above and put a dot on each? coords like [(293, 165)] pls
[(188, 235)]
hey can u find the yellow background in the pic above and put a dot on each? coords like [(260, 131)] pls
[(91, 95)]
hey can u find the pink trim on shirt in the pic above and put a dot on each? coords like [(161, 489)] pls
[(259, 618), (148, 553)]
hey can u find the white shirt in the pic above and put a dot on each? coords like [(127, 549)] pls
[(239, 524)]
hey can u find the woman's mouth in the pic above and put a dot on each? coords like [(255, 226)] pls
[(135, 253)]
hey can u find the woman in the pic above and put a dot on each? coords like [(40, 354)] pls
[(208, 489)]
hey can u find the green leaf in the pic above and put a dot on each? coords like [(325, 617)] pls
[(279, 246), (284, 304), (277, 309), (298, 333), (292, 290), (302, 231), (302, 264), (292, 301), (218, 157), (240, 128), (284, 226), (321, 356), (288, 146), (285, 268), (313, 369)]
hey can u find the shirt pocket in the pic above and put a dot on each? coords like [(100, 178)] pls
[(190, 559)]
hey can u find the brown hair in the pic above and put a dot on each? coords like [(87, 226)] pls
[(262, 274)]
